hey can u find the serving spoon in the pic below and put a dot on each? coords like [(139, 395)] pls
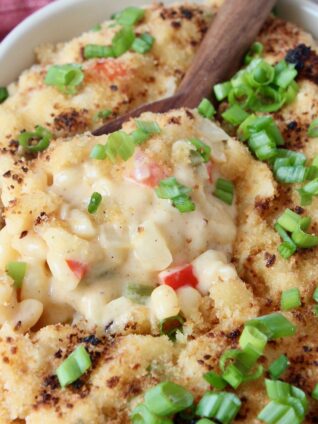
[(234, 29)]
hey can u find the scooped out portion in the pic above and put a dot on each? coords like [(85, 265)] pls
[(124, 230)]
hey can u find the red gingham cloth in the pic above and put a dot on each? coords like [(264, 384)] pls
[(14, 11)]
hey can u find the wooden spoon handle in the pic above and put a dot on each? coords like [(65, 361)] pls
[(229, 37)]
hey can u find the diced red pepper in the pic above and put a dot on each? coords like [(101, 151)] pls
[(179, 277), (106, 68), (79, 269), (146, 172)]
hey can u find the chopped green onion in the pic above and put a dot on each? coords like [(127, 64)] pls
[(267, 99), (242, 95), (122, 41), (252, 336), (291, 174), (274, 325), (313, 128), (76, 364), (94, 202), (130, 16), (16, 270), (286, 249), (290, 299), (206, 109), (120, 144), (262, 145), (143, 44), (235, 115), (290, 93), (255, 51), (233, 376), (4, 94), (278, 367), (284, 77), (40, 134), (167, 398), (92, 51), (139, 136), (149, 127), (170, 326), (214, 380), (277, 390), (222, 90), (220, 406), (303, 239), (290, 220), (170, 188), (138, 293), (315, 310), (314, 393), (315, 295), (204, 421), (273, 412), (285, 393), (98, 152), (261, 74), (142, 415), (103, 114), (224, 190), (203, 149), (65, 77)]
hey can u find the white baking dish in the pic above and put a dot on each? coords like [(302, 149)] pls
[(64, 19)]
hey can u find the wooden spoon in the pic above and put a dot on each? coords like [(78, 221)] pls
[(220, 54)]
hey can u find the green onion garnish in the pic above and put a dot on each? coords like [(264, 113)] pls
[(313, 128), (170, 188), (290, 220), (92, 51), (274, 325), (235, 115), (94, 202), (261, 74), (220, 406), (74, 366), (98, 152), (65, 77), (224, 190), (16, 270), (278, 367), (149, 127), (314, 393), (206, 109), (170, 326), (290, 299), (215, 380), (139, 136), (203, 149), (167, 398), (221, 91), (130, 16), (4, 94), (143, 43), (285, 74), (138, 293), (275, 412), (262, 145), (303, 239), (204, 421), (255, 51), (142, 415), (308, 191), (119, 144), (41, 136), (253, 337), (288, 247), (122, 41)]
